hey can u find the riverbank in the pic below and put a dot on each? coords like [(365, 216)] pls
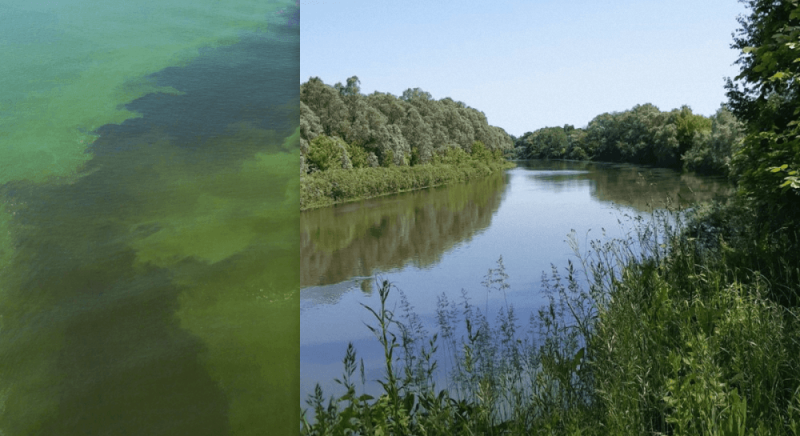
[(686, 326), (326, 188)]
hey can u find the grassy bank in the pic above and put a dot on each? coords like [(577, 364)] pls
[(325, 188), (689, 326)]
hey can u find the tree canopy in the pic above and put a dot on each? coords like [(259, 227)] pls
[(387, 130), (765, 96), (643, 135)]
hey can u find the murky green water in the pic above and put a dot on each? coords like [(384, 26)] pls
[(445, 240), (148, 229)]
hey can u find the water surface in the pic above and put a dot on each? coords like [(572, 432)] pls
[(446, 239), (148, 217)]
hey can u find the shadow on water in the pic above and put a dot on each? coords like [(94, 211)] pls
[(158, 293), (627, 185), (358, 239)]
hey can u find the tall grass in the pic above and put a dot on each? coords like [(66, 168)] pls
[(324, 188), (686, 326)]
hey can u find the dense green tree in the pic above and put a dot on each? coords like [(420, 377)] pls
[(358, 156), (351, 89), (636, 133), (479, 152), (459, 130), (549, 142), (766, 97), (641, 135), (576, 139), (419, 135), (664, 146), (499, 139), (381, 129), (712, 150), (328, 153), (372, 160), (480, 126), (390, 106), (416, 94), (326, 103), (687, 125), (310, 127), (366, 127), (387, 158), (552, 143), (395, 142)]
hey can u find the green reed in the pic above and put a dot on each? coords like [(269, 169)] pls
[(325, 188), (688, 325)]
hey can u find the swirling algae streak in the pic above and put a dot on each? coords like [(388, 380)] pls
[(68, 67), (148, 281)]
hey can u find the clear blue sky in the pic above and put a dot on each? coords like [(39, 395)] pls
[(528, 64)]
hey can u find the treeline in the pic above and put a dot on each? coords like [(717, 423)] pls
[(682, 328), (381, 129), (359, 146), (643, 135)]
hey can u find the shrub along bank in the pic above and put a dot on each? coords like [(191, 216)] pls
[(342, 173), (325, 188)]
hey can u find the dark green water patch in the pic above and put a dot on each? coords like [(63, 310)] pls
[(213, 96), (157, 292)]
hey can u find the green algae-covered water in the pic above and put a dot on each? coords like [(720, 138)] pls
[(149, 240)]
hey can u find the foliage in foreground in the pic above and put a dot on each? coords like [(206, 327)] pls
[(663, 334), (766, 97)]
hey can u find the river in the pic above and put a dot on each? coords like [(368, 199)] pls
[(445, 239)]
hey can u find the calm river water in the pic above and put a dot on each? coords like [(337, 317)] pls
[(446, 239)]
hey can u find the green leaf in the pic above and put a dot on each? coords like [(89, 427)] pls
[(577, 359), (748, 49)]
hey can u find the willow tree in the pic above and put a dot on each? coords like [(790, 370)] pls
[(326, 103), (419, 136), (310, 127), (408, 130), (390, 106)]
